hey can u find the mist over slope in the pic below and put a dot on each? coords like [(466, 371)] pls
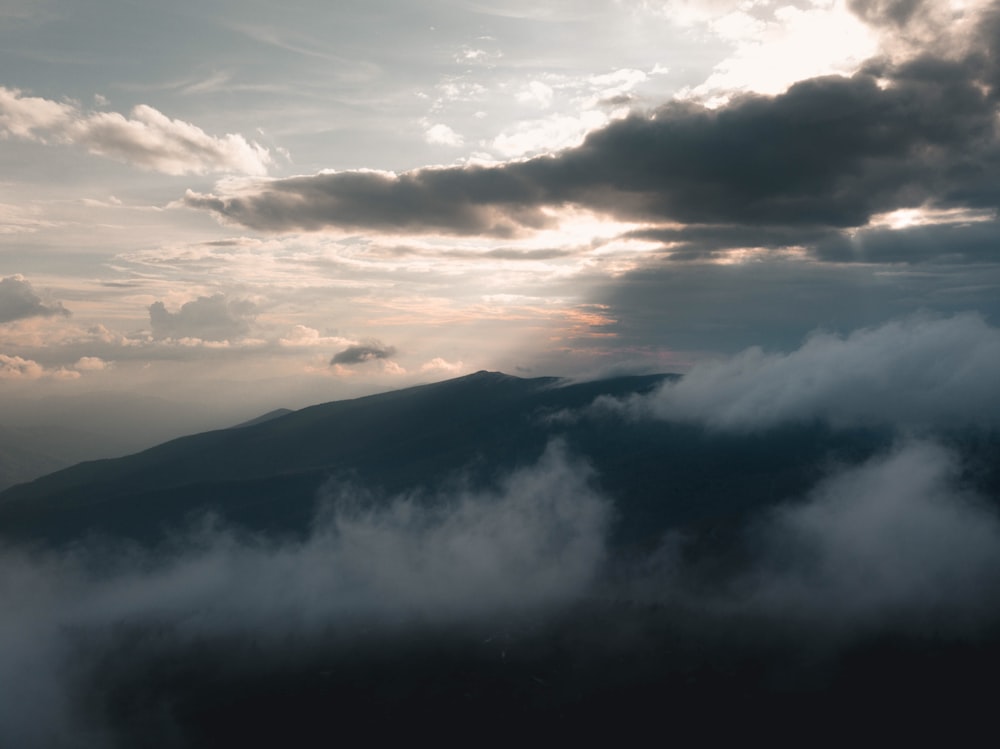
[(784, 538)]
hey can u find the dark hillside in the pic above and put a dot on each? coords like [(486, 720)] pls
[(266, 476)]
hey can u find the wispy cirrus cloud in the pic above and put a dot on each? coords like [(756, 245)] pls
[(146, 138)]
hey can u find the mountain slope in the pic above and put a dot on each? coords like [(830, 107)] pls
[(266, 474)]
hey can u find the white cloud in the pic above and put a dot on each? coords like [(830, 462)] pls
[(548, 134), (580, 105), (442, 135), (776, 50), (90, 364), (304, 336), (437, 364), (27, 116), (147, 138), (537, 93), (917, 372), (19, 368)]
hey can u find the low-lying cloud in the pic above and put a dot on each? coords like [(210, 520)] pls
[(917, 372), (533, 544), (894, 544), (896, 541)]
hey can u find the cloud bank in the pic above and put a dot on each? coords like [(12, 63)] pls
[(917, 372), (147, 138)]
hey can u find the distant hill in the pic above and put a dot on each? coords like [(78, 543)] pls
[(29, 452), (265, 475)]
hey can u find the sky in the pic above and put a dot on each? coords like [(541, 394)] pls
[(237, 206)]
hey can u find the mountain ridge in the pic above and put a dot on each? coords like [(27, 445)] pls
[(394, 441)]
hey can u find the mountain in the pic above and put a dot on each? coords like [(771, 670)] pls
[(265, 475), (27, 452), (652, 576)]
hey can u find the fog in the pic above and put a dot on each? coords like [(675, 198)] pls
[(534, 544), (895, 544)]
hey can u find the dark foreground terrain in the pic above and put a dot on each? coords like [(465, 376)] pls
[(494, 559)]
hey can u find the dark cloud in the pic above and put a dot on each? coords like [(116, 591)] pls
[(828, 153), (919, 372), (18, 300), (363, 352), (210, 318), (775, 303), (469, 201), (946, 242), (886, 12)]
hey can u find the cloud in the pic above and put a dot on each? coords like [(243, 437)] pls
[(948, 242), (442, 135), (793, 43), (305, 337), (465, 201), (363, 352), (917, 372), (90, 364), (828, 153), (147, 138), (19, 368), (897, 544), (208, 318), (18, 300), (895, 541), (532, 545), (437, 364)]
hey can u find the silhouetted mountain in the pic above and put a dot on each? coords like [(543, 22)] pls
[(264, 417), (266, 475), (27, 452)]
